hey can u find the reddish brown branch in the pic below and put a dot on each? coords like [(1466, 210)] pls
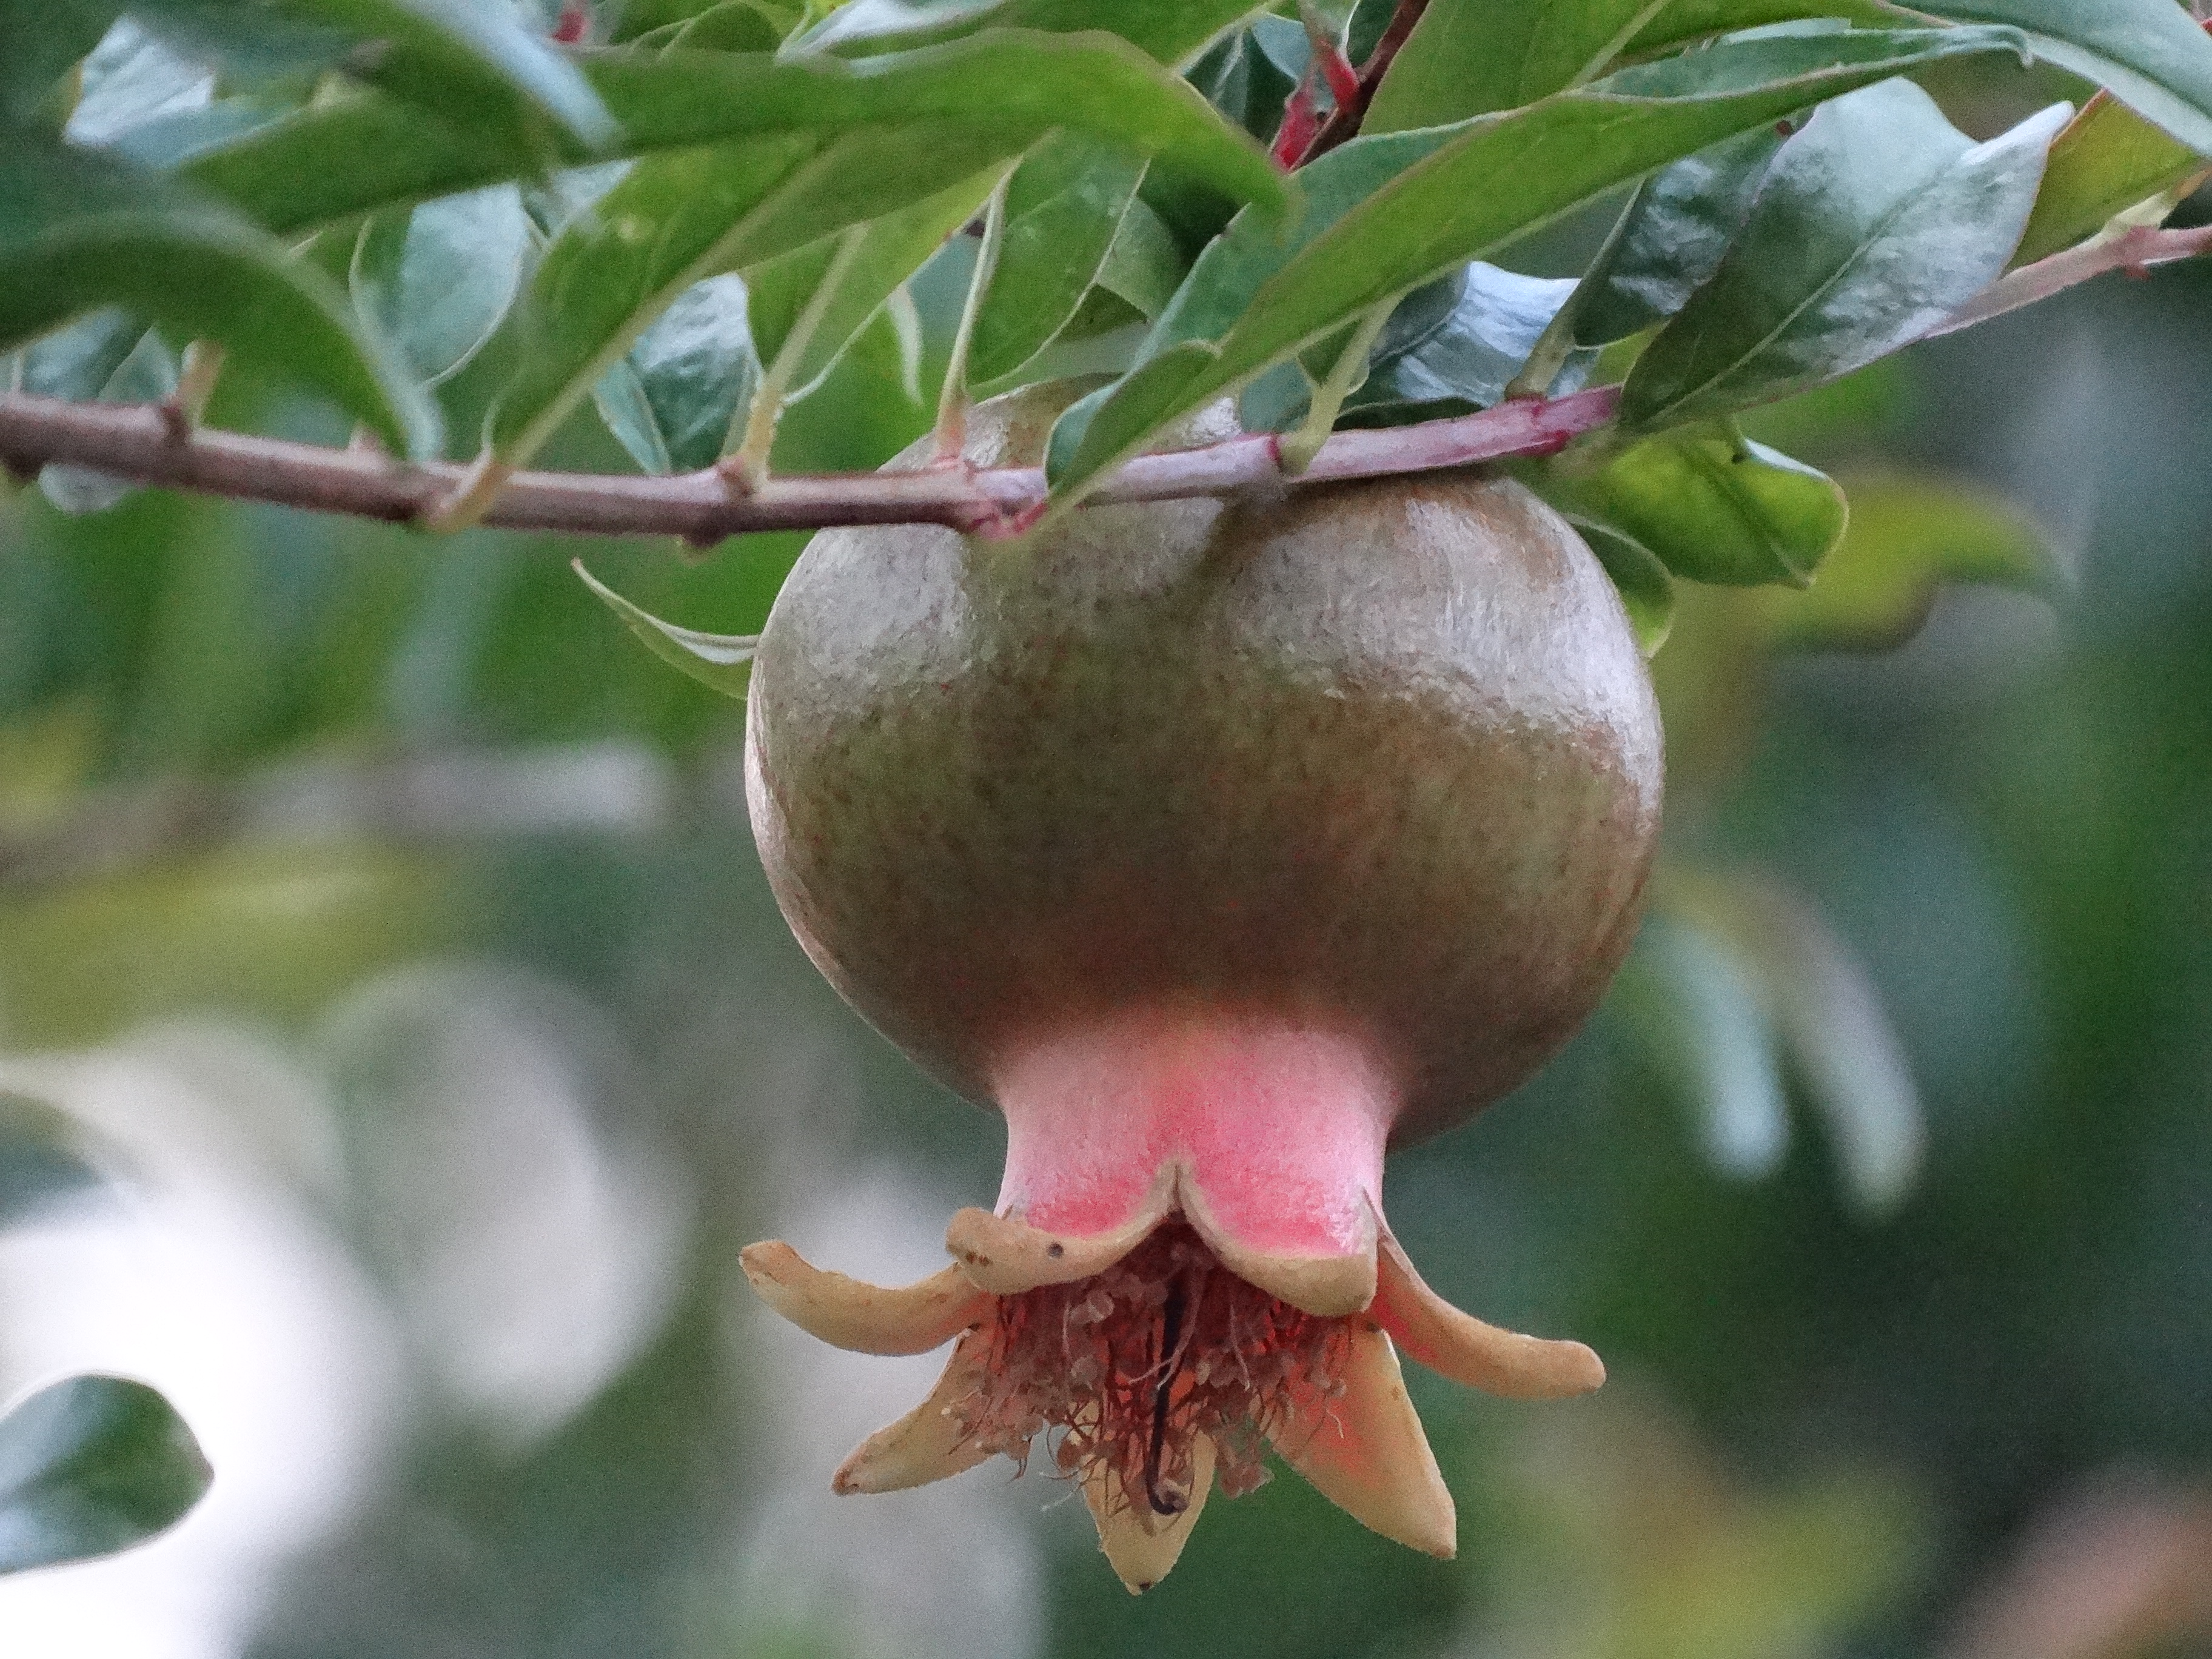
[(133, 441), (2134, 251), (1351, 111), (145, 443)]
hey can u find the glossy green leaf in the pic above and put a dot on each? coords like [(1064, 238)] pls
[(1241, 80), (723, 661), (2108, 160), (1702, 1027), (1711, 506), (78, 231), (39, 1167), (1170, 31), (1064, 206), (1238, 263), (1841, 1048), (132, 78), (651, 21), (92, 1465), (1470, 56), (673, 400), (676, 219), (1001, 90), (2149, 54), (1671, 240), (437, 279), (1646, 590), (1487, 180), (1908, 537), (476, 66), (1466, 362), (1143, 266), (733, 26), (1874, 222), (888, 251)]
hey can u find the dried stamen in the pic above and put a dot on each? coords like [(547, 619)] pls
[(1131, 1366)]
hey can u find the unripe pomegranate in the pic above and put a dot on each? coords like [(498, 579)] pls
[(1219, 845)]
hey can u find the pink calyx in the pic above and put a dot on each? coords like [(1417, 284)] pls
[(1187, 1263), (1266, 1136)]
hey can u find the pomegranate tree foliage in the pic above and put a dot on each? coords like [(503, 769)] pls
[(461, 232)]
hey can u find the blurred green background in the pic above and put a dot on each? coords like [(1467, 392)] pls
[(385, 920)]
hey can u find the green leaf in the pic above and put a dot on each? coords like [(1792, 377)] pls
[(132, 78), (1710, 505), (1876, 222), (733, 26), (723, 661), (1064, 208), (676, 220), (672, 222), (1170, 31), (1908, 536), (1688, 996), (2108, 160), (1000, 90), (1488, 180), (889, 250), (1841, 1047), (475, 65), (637, 20), (1466, 361), (1115, 420), (1470, 56), (78, 231), (1639, 576), (1244, 82), (437, 279), (38, 1166), (1672, 236), (2149, 54), (1143, 266), (91, 1466), (673, 400)]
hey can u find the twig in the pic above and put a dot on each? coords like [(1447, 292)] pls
[(2138, 249), (132, 441), (137, 442)]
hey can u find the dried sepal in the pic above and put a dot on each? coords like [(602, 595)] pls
[(1005, 1255), (1141, 1544), (859, 1317), (1365, 1450), (1456, 1345), (930, 1441)]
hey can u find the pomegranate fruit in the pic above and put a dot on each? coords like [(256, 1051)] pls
[(1219, 845)]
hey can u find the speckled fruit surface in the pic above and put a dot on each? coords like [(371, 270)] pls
[(1378, 760)]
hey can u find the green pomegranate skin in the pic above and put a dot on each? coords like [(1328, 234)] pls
[(1380, 758)]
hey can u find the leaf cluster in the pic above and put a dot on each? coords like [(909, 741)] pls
[(466, 235)]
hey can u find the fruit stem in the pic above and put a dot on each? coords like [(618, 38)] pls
[(950, 436)]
